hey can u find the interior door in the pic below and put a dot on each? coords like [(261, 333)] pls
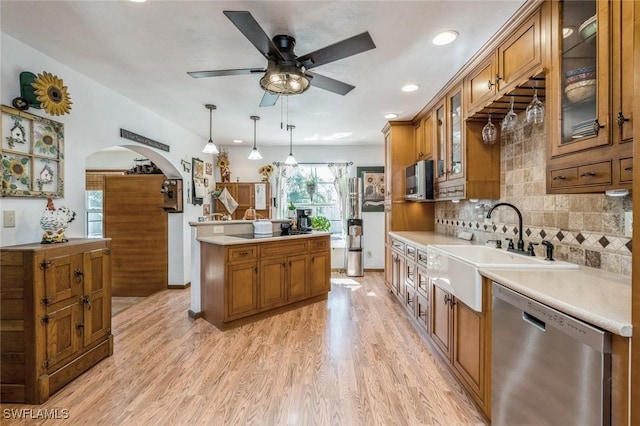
[(138, 229)]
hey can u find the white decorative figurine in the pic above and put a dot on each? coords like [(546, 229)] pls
[(54, 222)]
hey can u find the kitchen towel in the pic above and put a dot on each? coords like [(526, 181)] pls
[(227, 201)]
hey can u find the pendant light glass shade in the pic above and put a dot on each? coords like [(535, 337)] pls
[(210, 147), (254, 154), (291, 160)]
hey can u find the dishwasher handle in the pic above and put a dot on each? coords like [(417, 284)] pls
[(540, 325)]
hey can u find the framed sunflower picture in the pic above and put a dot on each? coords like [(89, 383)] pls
[(372, 188), (32, 152)]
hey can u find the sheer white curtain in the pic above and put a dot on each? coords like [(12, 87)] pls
[(283, 174), (340, 176)]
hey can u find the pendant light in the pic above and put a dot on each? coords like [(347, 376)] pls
[(210, 147), (254, 154), (291, 160)]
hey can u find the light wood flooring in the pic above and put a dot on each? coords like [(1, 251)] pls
[(120, 304), (351, 360)]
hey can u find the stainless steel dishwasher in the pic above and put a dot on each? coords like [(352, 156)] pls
[(548, 368)]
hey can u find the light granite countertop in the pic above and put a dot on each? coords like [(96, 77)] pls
[(228, 240), (598, 297)]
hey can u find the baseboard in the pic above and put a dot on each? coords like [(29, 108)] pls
[(374, 270), (179, 286), (195, 315)]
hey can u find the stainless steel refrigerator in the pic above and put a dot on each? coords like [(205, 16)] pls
[(355, 266)]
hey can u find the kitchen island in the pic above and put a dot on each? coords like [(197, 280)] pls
[(244, 278)]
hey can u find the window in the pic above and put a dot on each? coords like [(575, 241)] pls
[(93, 204), (311, 187)]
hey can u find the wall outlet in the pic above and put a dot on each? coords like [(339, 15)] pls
[(218, 229), (9, 219), (628, 224)]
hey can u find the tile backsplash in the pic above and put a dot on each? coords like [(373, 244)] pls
[(586, 229)]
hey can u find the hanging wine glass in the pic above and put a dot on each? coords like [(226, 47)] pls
[(489, 132), (510, 120), (535, 110)]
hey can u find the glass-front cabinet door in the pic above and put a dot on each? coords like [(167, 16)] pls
[(455, 135), (583, 80), (440, 145)]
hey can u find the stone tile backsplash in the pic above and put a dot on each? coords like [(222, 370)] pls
[(586, 229)]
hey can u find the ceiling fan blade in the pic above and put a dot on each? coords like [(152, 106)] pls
[(254, 32), (342, 49), (219, 73), (269, 99), (329, 84)]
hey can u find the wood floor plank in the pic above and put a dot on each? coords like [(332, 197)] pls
[(353, 359)]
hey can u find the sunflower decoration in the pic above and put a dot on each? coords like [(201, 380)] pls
[(52, 94), (15, 170), (46, 140), (265, 172), (223, 164)]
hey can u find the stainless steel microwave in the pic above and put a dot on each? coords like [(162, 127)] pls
[(418, 182)]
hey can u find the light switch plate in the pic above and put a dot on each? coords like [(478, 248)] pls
[(628, 224), (9, 219), (218, 229)]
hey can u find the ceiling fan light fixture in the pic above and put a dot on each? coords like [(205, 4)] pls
[(285, 80), (254, 154), (210, 147)]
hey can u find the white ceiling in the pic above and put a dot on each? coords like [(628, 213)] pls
[(143, 51)]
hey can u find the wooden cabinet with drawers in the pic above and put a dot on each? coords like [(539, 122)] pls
[(241, 283), (55, 315)]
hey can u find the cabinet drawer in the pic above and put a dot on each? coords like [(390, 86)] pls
[(410, 252), (626, 169), (398, 245), (293, 246), (593, 174), (319, 244), (564, 177), (242, 253), (422, 258)]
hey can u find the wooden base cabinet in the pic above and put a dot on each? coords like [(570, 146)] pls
[(241, 283), (460, 335), (55, 318)]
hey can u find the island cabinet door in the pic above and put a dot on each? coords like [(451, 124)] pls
[(272, 283), (242, 290), (297, 274), (320, 273)]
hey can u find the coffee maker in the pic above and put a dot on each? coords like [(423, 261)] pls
[(304, 219)]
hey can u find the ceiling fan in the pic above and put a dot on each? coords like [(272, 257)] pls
[(286, 73)]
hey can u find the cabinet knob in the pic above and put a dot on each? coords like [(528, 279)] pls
[(621, 119), (490, 85), (79, 325), (628, 169), (597, 126), (588, 174), (87, 300), (559, 177)]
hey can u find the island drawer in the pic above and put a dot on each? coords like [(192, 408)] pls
[(293, 246), (317, 244), (242, 253)]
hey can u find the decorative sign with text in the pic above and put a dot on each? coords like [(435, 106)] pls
[(143, 140)]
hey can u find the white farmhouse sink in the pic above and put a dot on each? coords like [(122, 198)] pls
[(454, 268)]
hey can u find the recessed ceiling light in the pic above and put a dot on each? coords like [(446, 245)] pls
[(410, 87), (567, 31), (138, 1), (391, 116), (445, 37), (237, 141)]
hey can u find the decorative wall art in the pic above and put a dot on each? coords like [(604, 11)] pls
[(52, 94), (373, 188), (208, 168), (32, 155), (197, 174)]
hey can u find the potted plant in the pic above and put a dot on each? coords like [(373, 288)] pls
[(292, 209), (320, 223), (312, 183)]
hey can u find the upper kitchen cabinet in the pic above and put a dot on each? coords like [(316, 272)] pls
[(590, 134), (465, 167), (512, 63), (422, 137)]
